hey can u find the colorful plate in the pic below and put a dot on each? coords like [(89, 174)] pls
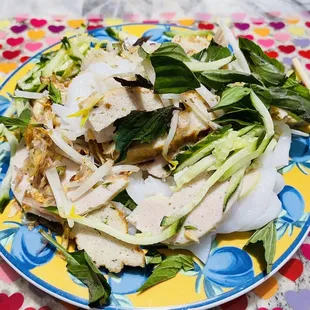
[(229, 272)]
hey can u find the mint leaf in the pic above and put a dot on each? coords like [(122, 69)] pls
[(231, 96), (212, 53), (81, 266), (172, 50), (291, 101), (268, 69), (217, 79), (168, 269), (54, 94), (139, 82), (17, 122), (268, 236), (125, 200), (172, 76), (142, 127)]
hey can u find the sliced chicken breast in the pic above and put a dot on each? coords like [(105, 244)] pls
[(105, 250)]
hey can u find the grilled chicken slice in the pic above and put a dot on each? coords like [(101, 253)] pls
[(105, 250)]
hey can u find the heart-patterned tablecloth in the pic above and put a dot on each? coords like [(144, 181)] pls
[(280, 36)]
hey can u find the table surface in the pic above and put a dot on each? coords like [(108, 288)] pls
[(283, 35)]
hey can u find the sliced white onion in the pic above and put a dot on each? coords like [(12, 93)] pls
[(124, 168), (171, 97), (272, 211), (138, 189), (96, 177), (251, 207), (299, 133), (240, 59), (68, 150), (282, 149), (201, 249), (171, 134), (211, 100), (62, 202), (279, 184), (30, 95)]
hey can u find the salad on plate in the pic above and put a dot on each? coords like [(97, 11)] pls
[(134, 147)]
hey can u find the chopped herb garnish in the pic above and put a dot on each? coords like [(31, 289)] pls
[(54, 93), (140, 81)]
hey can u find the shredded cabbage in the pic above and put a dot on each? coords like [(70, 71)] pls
[(6, 182)]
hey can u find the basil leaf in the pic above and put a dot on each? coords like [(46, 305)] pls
[(168, 269), (139, 82), (293, 84), (141, 40), (172, 76), (212, 53), (153, 257), (90, 275), (291, 101), (263, 94), (54, 94), (141, 126), (269, 69), (268, 236), (217, 79), (172, 50), (13, 122), (238, 118), (81, 266), (249, 46), (231, 96), (125, 199)]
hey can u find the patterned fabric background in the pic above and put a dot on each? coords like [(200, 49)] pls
[(282, 37)]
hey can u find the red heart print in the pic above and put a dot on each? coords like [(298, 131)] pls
[(94, 27), (15, 41), (246, 36), (38, 23), (10, 55), (308, 66), (240, 303), (272, 54), (292, 270), (14, 302), (24, 58), (287, 49), (1, 46), (308, 24), (305, 54), (206, 26)]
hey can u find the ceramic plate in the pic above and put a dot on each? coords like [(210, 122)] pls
[(229, 272)]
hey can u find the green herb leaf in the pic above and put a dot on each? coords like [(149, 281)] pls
[(172, 76), (139, 82), (81, 266), (17, 122), (291, 101), (168, 269), (293, 84), (212, 53), (125, 199), (217, 79), (52, 209), (65, 42), (172, 50), (142, 127), (153, 257), (269, 69), (268, 236), (231, 96), (189, 227), (54, 94)]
